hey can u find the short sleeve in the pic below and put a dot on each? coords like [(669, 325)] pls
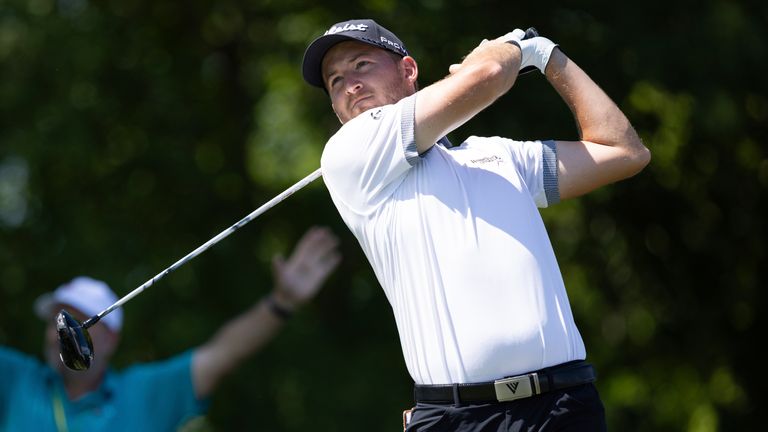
[(549, 175), (14, 365), (536, 163), (367, 158), (164, 389)]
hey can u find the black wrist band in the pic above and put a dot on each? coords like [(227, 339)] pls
[(281, 311)]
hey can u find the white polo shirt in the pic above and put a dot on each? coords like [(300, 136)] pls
[(456, 240)]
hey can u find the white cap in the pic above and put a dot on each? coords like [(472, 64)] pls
[(89, 296)]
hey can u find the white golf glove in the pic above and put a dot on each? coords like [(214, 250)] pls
[(536, 52), (513, 37)]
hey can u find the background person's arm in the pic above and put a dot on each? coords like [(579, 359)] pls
[(297, 280)]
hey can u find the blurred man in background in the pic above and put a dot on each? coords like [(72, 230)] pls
[(158, 396)]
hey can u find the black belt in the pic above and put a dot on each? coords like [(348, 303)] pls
[(507, 389)]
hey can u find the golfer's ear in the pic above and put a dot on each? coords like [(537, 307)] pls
[(410, 68)]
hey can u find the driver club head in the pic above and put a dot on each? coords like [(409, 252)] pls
[(75, 345)]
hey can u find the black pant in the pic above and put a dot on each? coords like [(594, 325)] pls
[(576, 409)]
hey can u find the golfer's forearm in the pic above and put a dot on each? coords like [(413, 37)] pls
[(232, 344), (501, 56), (598, 118), (484, 75)]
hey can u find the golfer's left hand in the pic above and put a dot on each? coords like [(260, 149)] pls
[(300, 277), (536, 52)]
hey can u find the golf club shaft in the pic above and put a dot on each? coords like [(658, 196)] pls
[(202, 248)]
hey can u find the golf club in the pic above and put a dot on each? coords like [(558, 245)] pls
[(75, 345)]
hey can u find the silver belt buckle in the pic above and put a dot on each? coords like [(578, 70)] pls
[(516, 387)]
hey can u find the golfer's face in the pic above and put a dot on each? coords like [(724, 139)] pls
[(359, 77)]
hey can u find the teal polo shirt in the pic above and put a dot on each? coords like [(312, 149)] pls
[(156, 396)]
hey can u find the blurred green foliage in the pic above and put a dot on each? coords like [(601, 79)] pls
[(131, 131)]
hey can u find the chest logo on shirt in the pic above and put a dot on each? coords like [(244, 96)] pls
[(376, 114), (488, 159)]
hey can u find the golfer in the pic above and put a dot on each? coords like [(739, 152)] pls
[(453, 233), (157, 396)]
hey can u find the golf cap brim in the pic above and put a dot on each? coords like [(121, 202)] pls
[(361, 30)]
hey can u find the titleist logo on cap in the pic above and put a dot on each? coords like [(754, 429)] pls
[(346, 27)]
